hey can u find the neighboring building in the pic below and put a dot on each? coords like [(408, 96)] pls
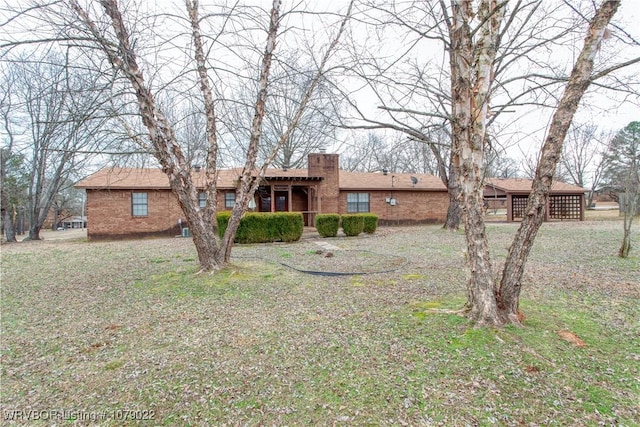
[(126, 203), (566, 201), (74, 222)]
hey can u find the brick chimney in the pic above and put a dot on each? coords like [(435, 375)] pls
[(326, 166)]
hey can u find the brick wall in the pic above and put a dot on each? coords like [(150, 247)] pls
[(326, 166), (411, 206), (109, 215)]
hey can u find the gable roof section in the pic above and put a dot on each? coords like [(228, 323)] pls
[(155, 179), (523, 186)]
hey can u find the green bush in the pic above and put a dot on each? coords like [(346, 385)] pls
[(352, 225), (222, 218), (370, 222), (327, 224), (258, 227), (253, 228), (286, 226)]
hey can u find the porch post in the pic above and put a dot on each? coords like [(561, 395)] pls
[(310, 221), (290, 198), (273, 199)]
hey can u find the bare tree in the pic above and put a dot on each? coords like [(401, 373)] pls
[(377, 152), (622, 176), (52, 123), (489, 43), (124, 38), (413, 90), (502, 305), (500, 165), (315, 130), (582, 157), (476, 34)]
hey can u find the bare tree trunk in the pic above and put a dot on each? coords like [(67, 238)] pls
[(624, 250), (34, 232), (251, 178), (161, 135), (510, 283), (471, 75), (9, 227), (56, 215), (247, 178), (632, 197), (454, 212)]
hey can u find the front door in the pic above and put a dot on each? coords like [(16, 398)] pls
[(282, 201)]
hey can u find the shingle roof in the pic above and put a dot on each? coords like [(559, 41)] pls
[(155, 179), (125, 178), (399, 181), (521, 185)]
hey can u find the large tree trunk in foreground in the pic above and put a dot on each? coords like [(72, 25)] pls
[(247, 179), (579, 81), (454, 211), (211, 254), (471, 71), (472, 75)]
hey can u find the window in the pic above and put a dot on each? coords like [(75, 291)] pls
[(202, 200), (229, 200), (139, 204), (265, 204), (357, 202)]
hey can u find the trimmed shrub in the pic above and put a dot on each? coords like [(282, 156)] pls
[(253, 228), (222, 218), (327, 224), (259, 227), (285, 226), (370, 222), (352, 225)]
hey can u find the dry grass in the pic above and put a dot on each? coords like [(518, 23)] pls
[(103, 328)]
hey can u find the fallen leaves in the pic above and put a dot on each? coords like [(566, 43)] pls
[(572, 338), (259, 343)]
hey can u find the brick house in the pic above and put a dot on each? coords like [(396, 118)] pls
[(566, 201), (126, 203)]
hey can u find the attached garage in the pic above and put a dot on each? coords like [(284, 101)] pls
[(566, 201)]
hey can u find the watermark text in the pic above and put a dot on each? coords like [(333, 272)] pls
[(77, 415)]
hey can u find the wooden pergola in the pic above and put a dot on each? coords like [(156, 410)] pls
[(566, 201)]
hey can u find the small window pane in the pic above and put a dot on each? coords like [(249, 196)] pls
[(202, 200), (357, 202), (229, 200), (139, 204)]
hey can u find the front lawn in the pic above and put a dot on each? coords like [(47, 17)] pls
[(114, 332)]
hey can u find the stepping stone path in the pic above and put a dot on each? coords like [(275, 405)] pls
[(327, 246)]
